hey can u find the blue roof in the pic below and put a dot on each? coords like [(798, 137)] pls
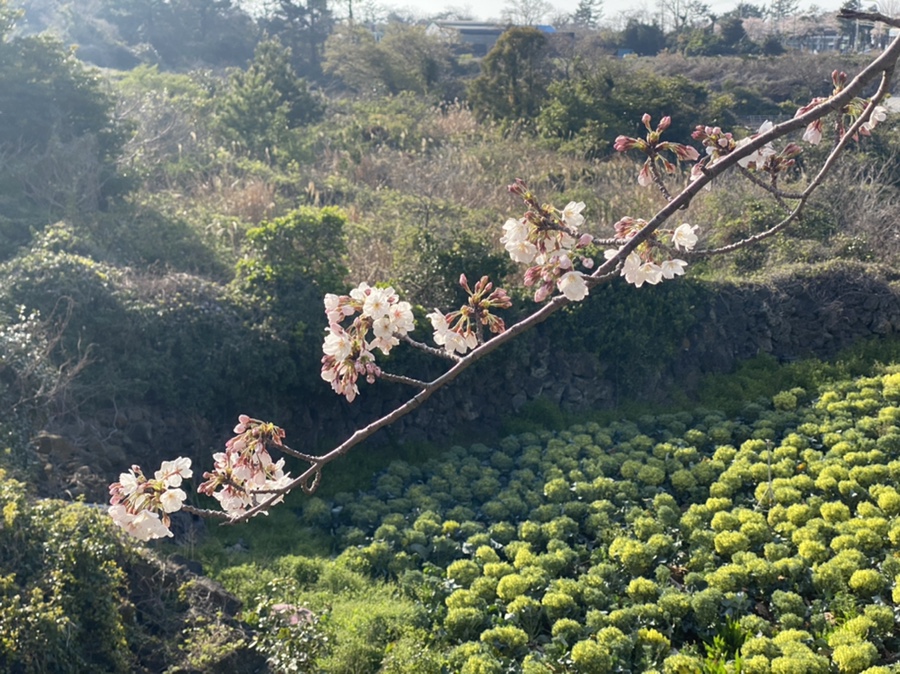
[(546, 29)]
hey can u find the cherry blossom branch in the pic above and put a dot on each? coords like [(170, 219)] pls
[(205, 512), (247, 481), (607, 271), (885, 64), (413, 403), (297, 455)]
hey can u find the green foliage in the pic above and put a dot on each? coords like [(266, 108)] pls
[(589, 110), (266, 101), (59, 139), (642, 38), (644, 322), (305, 247), (179, 34), (752, 584), (63, 591), (514, 76), (406, 58), (291, 637)]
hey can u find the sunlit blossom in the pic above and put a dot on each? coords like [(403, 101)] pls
[(337, 343), (685, 237), (571, 214), (572, 285), (672, 268), (758, 158)]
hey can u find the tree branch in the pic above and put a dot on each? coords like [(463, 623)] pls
[(884, 64)]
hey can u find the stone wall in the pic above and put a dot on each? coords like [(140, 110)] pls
[(808, 313)]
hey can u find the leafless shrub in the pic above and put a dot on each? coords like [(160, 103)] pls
[(866, 202), (66, 176), (36, 366)]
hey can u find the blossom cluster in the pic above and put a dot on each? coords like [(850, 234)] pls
[(382, 318), (650, 262), (849, 114), (244, 474), (765, 159), (141, 506), (460, 331), (653, 147), (548, 239)]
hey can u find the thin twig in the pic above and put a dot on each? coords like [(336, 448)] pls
[(299, 455), (771, 189), (205, 512), (401, 379), (440, 353)]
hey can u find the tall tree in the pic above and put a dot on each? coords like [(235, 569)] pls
[(514, 76), (304, 26), (643, 39), (679, 15), (405, 59), (779, 10), (184, 33), (747, 10), (734, 36), (58, 140), (588, 13)]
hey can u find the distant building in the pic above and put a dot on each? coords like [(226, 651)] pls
[(478, 37), (816, 39)]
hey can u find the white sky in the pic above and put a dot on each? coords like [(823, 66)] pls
[(612, 9)]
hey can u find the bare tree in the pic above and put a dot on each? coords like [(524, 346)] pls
[(677, 15), (889, 7), (526, 12)]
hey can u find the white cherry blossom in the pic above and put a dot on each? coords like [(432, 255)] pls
[(673, 268), (172, 500), (758, 158), (571, 214), (337, 343), (572, 285), (685, 237), (172, 472), (377, 303)]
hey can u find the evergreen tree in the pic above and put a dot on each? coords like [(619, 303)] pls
[(643, 39), (304, 26), (266, 100), (588, 13), (514, 76)]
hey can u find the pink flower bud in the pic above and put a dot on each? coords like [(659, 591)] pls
[(664, 123), (645, 178), (624, 143), (685, 152), (543, 292)]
